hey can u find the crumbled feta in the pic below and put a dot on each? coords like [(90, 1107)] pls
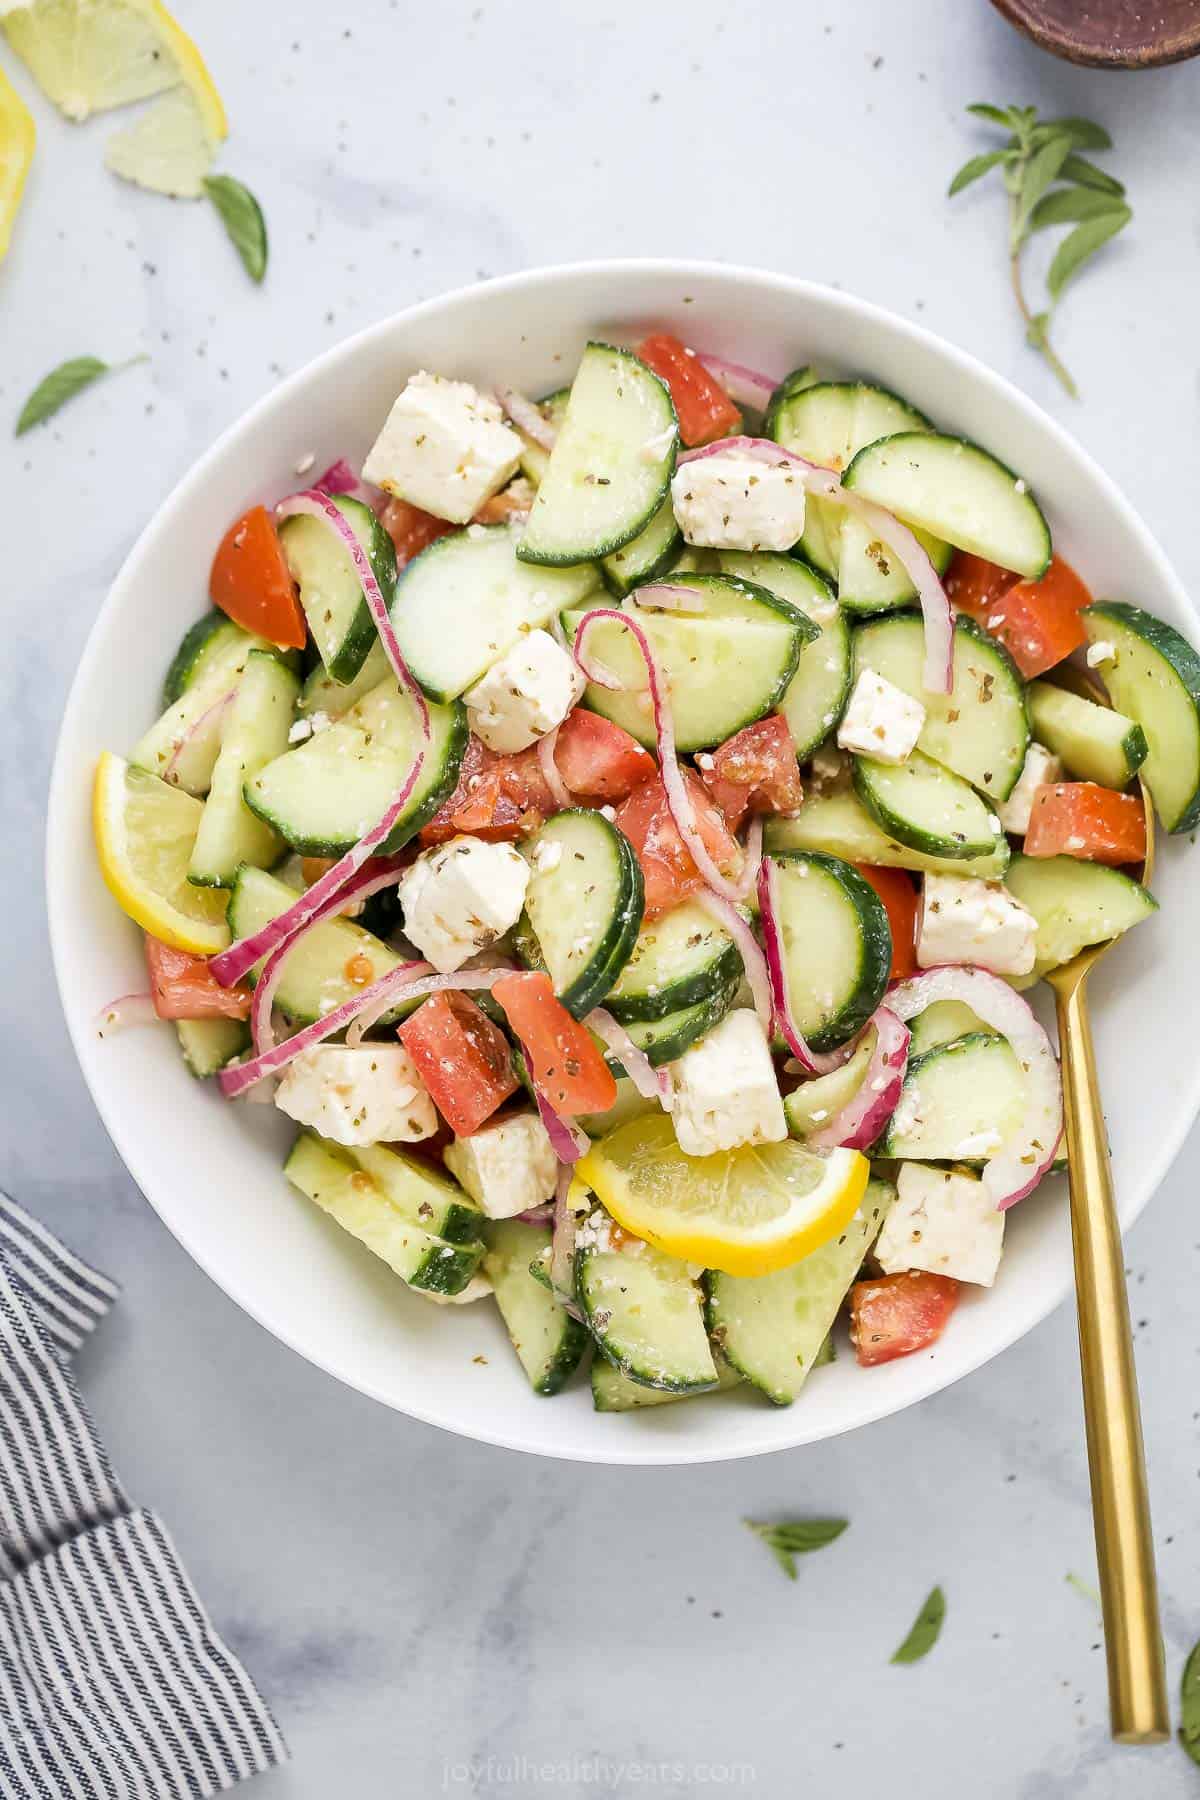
[(734, 502), (964, 920), (369, 1095), (881, 720), (445, 447), (299, 730), (1101, 652), (306, 462), (942, 1221), (507, 1167), (526, 694), (725, 1091), (546, 856), (1040, 767), (478, 1288), (460, 898), (829, 766)]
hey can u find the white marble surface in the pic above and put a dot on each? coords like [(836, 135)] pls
[(411, 1603)]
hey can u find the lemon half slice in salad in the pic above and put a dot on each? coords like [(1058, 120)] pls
[(17, 137), (145, 830), (746, 1212)]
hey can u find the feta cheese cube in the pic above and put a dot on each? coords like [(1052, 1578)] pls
[(506, 1167), (944, 1222), (726, 1093), (445, 447), (881, 720), (734, 502), (526, 694), (459, 898), (369, 1095), (964, 920), (1040, 766)]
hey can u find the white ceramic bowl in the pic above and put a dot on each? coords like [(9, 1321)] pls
[(213, 1170)]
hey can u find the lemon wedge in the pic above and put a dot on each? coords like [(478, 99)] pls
[(144, 836), (17, 137), (746, 1212)]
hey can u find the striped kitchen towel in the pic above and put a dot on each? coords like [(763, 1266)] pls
[(113, 1683)]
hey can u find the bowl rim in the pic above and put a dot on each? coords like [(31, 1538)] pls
[(657, 1452)]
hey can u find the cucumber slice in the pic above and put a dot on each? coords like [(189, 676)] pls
[(211, 1044), (981, 730), (614, 1392), (256, 731), (958, 1102), (1095, 743), (1154, 676), (815, 698), (421, 1192), (645, 1313), (678, 960), (549, 1343), (924, 805), (327, 1176), (321, 694), (960, 493), (1075, 904), (583, 905), (335, 606), (645, 557), (871, 578), (534, 457), (322, 796), (665, 1040), (772, 1328), (187, 736), (941, 1023), (611, 464), (839, 823), (629, 1104), (791, 385), (812, 1105), (836, 945), (211, 642)]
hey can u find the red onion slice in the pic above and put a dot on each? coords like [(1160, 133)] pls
[(748, 880), (651, 1083), (559, 791), (193, 731), (671, 596), (862, 1119), (569, 1142), (744, 385), (1018, 1165), (339, 478), (527, 417), (813, 1062), (420, 980), (754, 963), (124, 1011)]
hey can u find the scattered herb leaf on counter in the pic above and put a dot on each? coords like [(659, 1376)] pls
[(926, 1629), (242, 218), (1038, 154), (62, 384), (1189, 1705), (790, 1538)]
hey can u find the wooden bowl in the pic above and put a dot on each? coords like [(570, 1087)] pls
[(1109, 34)]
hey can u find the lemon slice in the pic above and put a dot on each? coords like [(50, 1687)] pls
[(17, 136), (90, 55), (169, 148), (747, 1212), (144, 836)]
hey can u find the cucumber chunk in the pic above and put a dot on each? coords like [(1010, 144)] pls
[(209, 1045), (815, 698), (535, 457), (549, 1343), (941, 1023), (256, 731), (665, 1040), (614, 1392), (791, 385), (836, 945), (211, 642), (1094, 742), (959, 1102), (186, 738), (645, 1313), (1075, 904), (421, 1192), (924, 805), (679, 959), (646, 556), (322, 694), (839, 823), (814, 1103), (952, 488), (611, 464), (583, 905), (339, 619), (1154, 677), (871, 577)]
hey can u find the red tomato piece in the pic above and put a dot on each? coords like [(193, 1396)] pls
[(564, 1062), (974, 585), (703, 408), (184, 987), (1038, 621), (462, 1058), (498, 798), (755, 771), (898, 1314), (410, 529), (667, 866), (1085, 820), (901, 905), (597, 760), (251, 582)]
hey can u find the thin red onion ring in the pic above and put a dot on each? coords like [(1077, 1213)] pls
[(812, 1061), (559, 791), (422, 980), (339, 478), (651, 1083), (744, 385), (193, 730), (527, 417), (748, 880), (671, 596), (862, 1119), (569, 1142), (753, 961), (125, 1010)]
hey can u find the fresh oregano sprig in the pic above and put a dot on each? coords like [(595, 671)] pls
[(1049, 183), (789, 1538)]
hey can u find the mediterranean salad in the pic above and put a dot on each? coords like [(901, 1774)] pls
[(619, 831)]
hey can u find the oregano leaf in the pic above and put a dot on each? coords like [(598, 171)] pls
[(1085, 134), (1069, 205), (974, 168), (789, 1538), (62, 384), (1041, 170), (999, 115), (242, 218), (1078, 168), (1081, 244), (1189, 1705), (925, 1631)]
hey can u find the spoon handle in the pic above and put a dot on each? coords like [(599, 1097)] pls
[(1120, 1503)]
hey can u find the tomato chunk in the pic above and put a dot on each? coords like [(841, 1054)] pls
[(1085, 820), (250, 581), (1037, 621), (462, 1058), (498, 798), (704, 409), (668, 869), (597, 760), (564, 1062), (974, 585), (184, 987), (901, 905), (410, 529), (755, 771), (898, 1314)]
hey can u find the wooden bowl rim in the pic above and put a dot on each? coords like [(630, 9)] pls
[(1174, 46)]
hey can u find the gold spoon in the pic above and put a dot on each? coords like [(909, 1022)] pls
[(1137, 1689)]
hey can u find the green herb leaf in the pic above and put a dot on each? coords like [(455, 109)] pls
[(1078, 168), (1085, 134), (1083, 1588), (972, 170), (999, 115), (1189, 1705), (1081, 244), (62, 384), (1042, 168), (789, 1538), (1066, 206), (242, 218), (925, 1631)]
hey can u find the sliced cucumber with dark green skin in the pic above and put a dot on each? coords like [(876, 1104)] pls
[(614, 1392), (1096, 743), (1154, 677), (321, 694), (791, 385), (815, 698), (212, 640), (611, 464), (549, 1343), (773, 1328), (981, 730), (871, 577), (1075, 904), (926, 806), (584, 905), (534, 457), (424, 1194), (941, 1023), (646, 556), (665, 1040), (835, 943), (331, 594), (209, 1045), (679, 959), (814, 1103), (959, 1102), (183, 744), (839, 823), (256, 731), (645, 1313), (325, 794), (960, 493)]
